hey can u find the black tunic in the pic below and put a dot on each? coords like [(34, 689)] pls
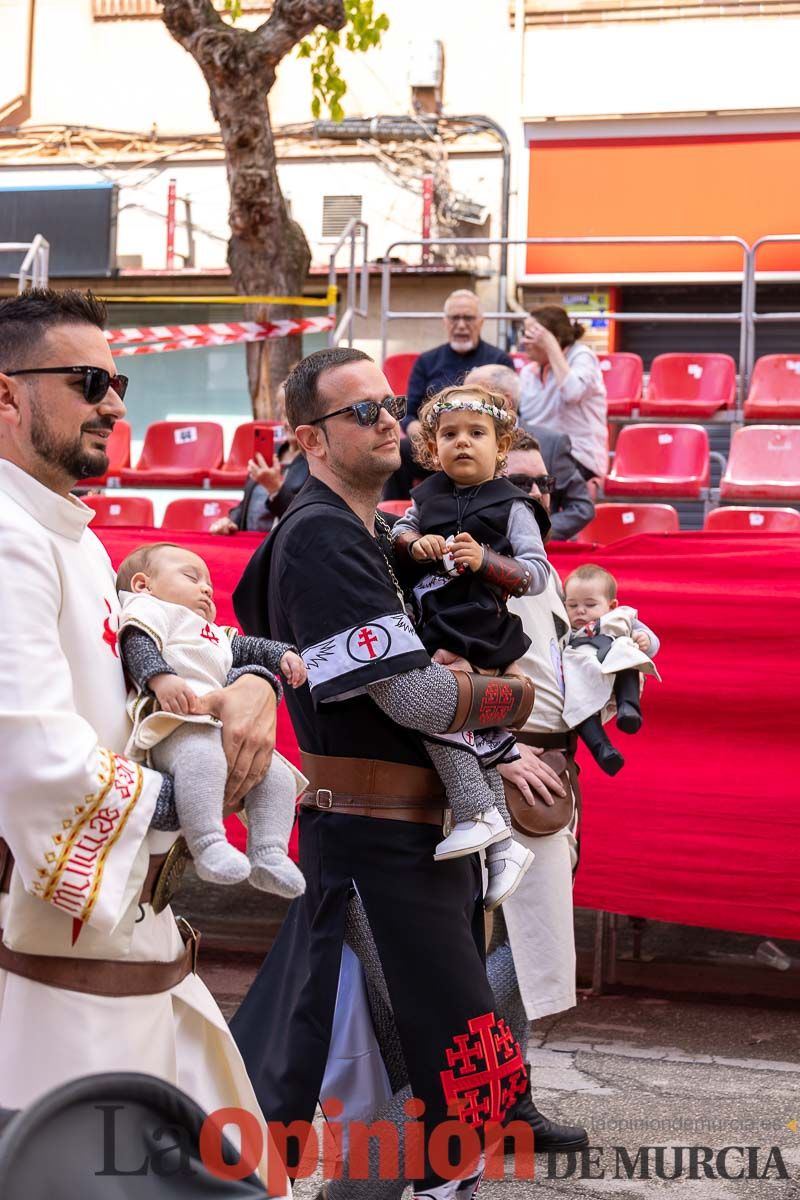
[(466, 615), (327, 590)]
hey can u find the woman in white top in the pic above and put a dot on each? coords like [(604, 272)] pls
[(563, 386)]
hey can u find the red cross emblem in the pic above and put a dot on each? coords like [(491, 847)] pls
[(109, 634), (208, 633), (487, 1071), (496, 704), (368, 643)]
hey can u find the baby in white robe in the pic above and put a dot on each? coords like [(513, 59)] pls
[(608, 653), (174, 653)]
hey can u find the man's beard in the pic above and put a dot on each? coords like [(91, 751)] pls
[(369, 474), (70, 457)]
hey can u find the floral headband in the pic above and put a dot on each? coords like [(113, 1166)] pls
[(480, 406)]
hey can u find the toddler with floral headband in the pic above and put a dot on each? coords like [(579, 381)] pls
[(477, 540)]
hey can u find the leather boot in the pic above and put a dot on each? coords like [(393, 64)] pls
[(547, 1135), (627, 690), (594, 736)]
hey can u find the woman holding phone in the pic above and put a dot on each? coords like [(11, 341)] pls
[(269, 490), (563, 387)]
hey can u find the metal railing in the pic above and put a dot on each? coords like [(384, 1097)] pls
[(740, 318), (35, 269), (357, 282), (754, 318)]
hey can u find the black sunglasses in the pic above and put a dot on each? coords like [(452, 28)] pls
[(367, 412), (545, 483), (96, 380)]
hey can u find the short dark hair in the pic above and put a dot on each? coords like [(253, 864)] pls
[(141, 559), (525, 441), (25, 319), (303, 402)]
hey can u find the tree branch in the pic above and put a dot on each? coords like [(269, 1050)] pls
[(292, 20), (186, 18)]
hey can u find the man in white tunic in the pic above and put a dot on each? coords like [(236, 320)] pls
[(91, 979)]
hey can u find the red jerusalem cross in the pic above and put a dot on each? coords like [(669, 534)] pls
[(367, 638), (486, 1088)]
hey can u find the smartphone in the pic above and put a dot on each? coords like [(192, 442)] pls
[(264, 442)]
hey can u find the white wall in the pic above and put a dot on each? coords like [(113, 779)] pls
[(661, 66)]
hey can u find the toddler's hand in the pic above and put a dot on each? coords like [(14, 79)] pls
[(642, 641), (173, 694), (466, 552), (294, 669), (454, 661), (428, 548)]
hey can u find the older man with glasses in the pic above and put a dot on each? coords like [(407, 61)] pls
[(441, 367)]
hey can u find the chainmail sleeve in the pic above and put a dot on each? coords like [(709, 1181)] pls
[(425, 699), (165, 814)]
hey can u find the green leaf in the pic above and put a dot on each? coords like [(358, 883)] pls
[(362, 30)]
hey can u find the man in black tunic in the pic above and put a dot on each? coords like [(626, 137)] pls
[(374, 809)]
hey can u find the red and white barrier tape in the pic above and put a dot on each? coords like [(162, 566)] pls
[(164, 338)]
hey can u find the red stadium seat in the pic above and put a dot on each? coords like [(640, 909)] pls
[(121, 510), (119, 455), (622, 375), (195, 513), (397, 369), (763, 464), (690, 385), (774, 389), (397, 508), (612, 522), (234, 472), (176, 454), (660, 460), (750, 520)]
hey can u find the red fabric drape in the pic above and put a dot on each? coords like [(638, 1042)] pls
[(702, 825)]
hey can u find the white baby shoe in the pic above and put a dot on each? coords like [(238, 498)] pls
[(472, 835), (515, 862)]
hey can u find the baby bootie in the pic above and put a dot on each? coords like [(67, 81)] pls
[(273, 871), (222, 863)]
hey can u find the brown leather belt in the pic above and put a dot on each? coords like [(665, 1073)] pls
[(103, 976), (568, 742), (369, 787)]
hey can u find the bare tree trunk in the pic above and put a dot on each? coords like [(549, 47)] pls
[(267, 253)]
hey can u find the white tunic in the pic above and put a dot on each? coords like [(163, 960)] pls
[(76, 815), (588, 682), (539, 914)]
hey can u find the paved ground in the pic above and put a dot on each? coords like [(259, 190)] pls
[(647, 1072)]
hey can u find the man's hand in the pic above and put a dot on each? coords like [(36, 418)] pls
[(466, 552), (247, 711), (531, 775), (428, 548), (294, 669), (269, 477), (223, 525), (173, 694), (642, 641)]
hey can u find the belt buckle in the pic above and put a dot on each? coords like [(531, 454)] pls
[(320, 801), (189, 935), (170, 875)]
